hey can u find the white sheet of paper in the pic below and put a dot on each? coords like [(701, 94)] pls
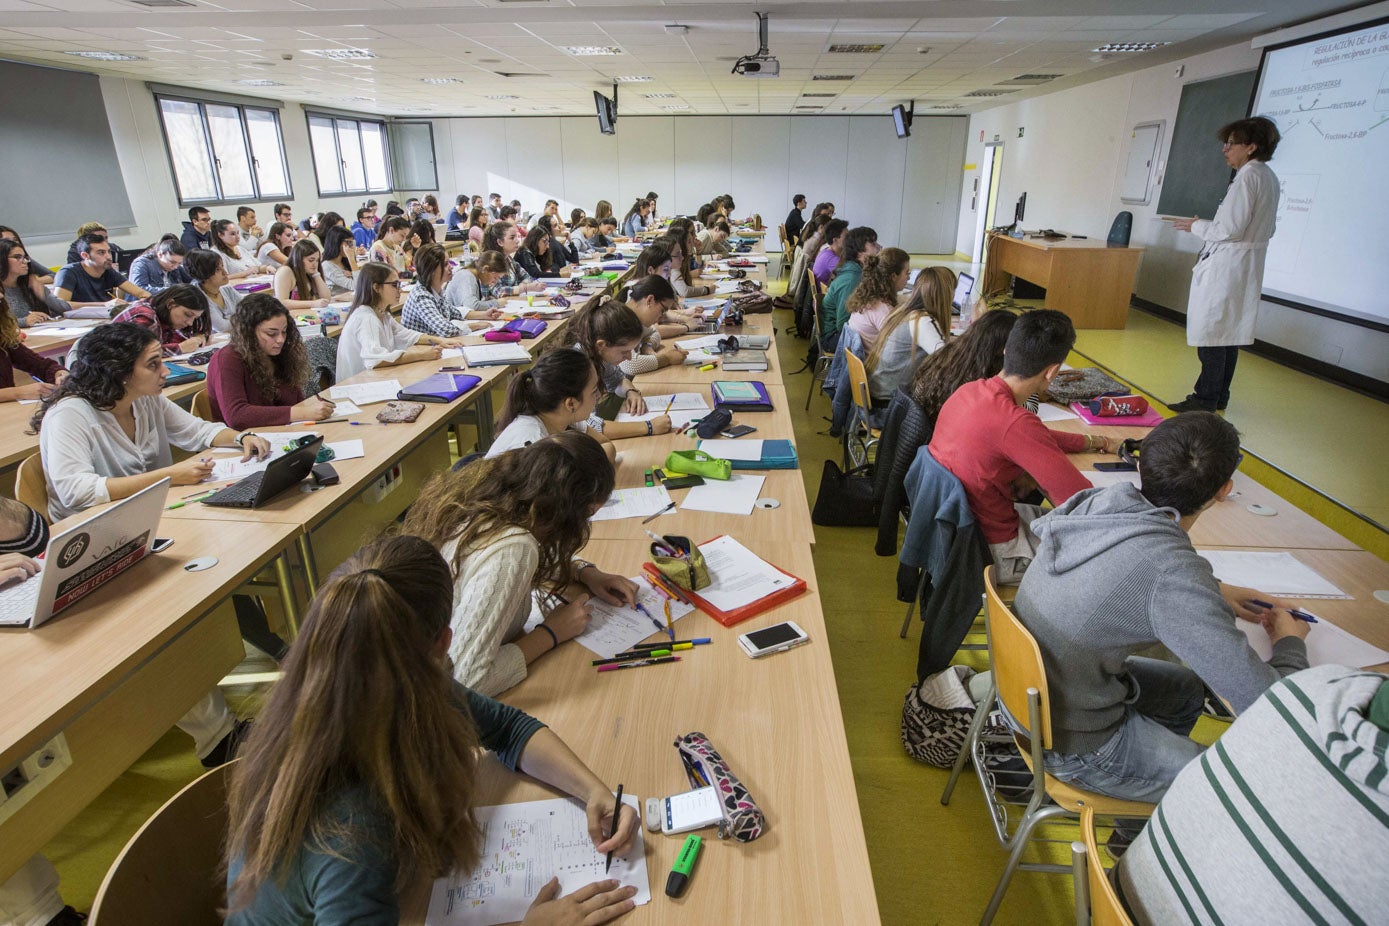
[(745, 450), (347, 449), (1327, 644), (450, 353), (639, 502), (59, 331), (735, 496), (738, 576), (384, 390), (480, 354), (702, 343), (98, 312), (1048, 412), (1108, 479), (699, 358), (1279, 574), (231, 466), (345, 407), (523, 847), (727, 286), (614, 629)]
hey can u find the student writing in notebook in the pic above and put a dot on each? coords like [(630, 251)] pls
[(607, 332), (557, 393), (258, 379), (371, 336), (176, 315), (348, 792), (651, 297), (44, 373), (426, 308), (509, 526)]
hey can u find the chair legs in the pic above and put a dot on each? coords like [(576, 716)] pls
[(1020, 840), (1081, 877), (981, 716), (911, 605)]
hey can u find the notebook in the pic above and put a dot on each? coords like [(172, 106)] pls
[(744, 361), (740, 396), (441, 387)]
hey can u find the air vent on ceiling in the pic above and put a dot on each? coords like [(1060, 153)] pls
[(833, 77), (516, 74), (1112, 47), (989, 92), (1031, 79), (813, 96), (104, 55), (162, 4), (854, 49), (815, 108), (591, 50), (340, 54), (503, 96), (659, 96), (676, 108), (946, 106), (260, 83), (631, 79), (441, 80)]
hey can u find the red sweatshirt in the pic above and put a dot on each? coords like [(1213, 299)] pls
[(987, 440), (237, 403)]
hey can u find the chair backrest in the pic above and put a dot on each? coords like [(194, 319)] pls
[(858, 382), (1017, 661), (30, 486), (1105, 908), (202, 405), (170, 870), (785, 243)]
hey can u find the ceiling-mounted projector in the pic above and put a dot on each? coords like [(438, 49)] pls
[(760, 63)]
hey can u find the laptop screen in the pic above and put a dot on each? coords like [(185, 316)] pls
[(963, 288)]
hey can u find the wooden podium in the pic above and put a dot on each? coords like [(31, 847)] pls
[(1088, 280)]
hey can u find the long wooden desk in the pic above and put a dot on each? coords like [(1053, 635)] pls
[(777, 721), (752, 324), (1088, 280), (119, 668)]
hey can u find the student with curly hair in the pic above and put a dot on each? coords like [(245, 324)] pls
[(872, 301), (258, 379)]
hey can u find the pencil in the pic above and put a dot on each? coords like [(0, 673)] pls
[(617, 814), (670, 631)]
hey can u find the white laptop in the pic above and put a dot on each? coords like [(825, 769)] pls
[(963, 288), (85, 557)]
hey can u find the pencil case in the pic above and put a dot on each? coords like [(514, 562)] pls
[(686, 568), (501, 334), (742, 820), (399, 412), (698, 463), (1109, 406)]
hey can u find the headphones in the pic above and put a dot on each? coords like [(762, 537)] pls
[(728, 344)]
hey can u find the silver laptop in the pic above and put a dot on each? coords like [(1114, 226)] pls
[(85, 557), (963, 288)]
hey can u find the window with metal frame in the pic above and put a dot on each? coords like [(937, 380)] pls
[(224, 152), (349, 155)]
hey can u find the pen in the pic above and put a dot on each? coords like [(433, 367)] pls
[(617, 812), (670, 631), (654, 623), (321, 421), (638, 663), (192, 498), (366, 424), (658, 514), (697, 641), (1295, 612), (644, 654), (671, 589), (669, 406), (453, 369)]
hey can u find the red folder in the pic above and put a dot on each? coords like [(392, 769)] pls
[(729, 618)]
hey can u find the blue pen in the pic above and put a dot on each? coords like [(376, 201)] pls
[(655, 623), (1295, 612)]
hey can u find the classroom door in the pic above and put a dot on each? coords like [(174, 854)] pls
[(987, 197)]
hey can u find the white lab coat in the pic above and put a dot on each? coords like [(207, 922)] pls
[(1228, 276)]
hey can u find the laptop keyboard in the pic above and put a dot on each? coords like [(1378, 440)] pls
[(17, 604), (241, 495)]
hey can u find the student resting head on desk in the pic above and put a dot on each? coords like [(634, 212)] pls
[(177, 316), (607, 332), (921, 325), (372, 337), (257, 380), (15, 356), (557, 393), (508, 526), (347, 793)]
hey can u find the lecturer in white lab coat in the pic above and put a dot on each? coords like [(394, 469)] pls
[(1228, 276)]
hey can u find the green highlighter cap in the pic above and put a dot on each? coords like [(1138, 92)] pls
[(684, 865)]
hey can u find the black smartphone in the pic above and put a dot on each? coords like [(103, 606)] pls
[(1117, 467), (683, 482), (738, 430)]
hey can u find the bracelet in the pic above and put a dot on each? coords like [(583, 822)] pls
[(649, 430), (554, 640)]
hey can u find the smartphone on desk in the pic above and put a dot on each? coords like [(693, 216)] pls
[(738, 430), (681, 813), (774, 639), (1118, 466)]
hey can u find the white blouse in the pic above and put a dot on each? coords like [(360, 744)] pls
[(263, 255), (523, 431), (83, 446), (238, 264), (367, 340)]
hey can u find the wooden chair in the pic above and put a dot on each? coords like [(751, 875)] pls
[(1020, 686), (860, 430), (821, 367), (1097, 904), (170, 870), (786, 249), (30, 487), (202, 405)]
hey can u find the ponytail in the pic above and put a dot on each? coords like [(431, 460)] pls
[(603, 318), (556, 376)]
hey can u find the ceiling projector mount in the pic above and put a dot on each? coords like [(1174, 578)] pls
[(760, 63)]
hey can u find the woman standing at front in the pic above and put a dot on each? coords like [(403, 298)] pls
[(1228, 276)]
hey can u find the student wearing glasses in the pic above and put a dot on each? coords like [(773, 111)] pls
[(371, 336), (30, 302)]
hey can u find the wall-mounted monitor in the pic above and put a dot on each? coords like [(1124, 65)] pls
[(901, 121), (607, 114)]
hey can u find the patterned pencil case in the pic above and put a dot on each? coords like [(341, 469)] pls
[(686, 568), (400, 412), (742, 818)]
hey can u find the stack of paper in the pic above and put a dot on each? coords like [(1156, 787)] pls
[(489, 355), (1327, 644), (739, 577), (384, 390), (700, 343), (638, 502), (1048, 412), (1280, 574)]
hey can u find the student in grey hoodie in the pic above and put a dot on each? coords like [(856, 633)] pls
[(1115, 573)]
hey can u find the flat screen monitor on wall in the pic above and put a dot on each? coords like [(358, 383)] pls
[(899, 121), (607, 114), (1329, 96)]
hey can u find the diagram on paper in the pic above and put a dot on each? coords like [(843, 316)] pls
[(523, 847)]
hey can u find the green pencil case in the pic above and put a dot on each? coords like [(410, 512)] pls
[(698, 463)]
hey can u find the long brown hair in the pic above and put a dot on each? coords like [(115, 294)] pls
[(218, 244), (290, 366), (548, 488), (9, 326), (604, 318), (879, 280), (976, 354), (364, 703), (935, 286), (304, 287)]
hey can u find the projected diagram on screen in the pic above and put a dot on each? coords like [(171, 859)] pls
[(1330, 99)]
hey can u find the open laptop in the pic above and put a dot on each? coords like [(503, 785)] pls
[(712, 322), (281, 473), (84, 557), (963, 288)]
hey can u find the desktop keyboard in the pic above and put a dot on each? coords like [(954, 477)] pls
[(241, 495)]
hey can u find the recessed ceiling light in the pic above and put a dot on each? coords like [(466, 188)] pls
[(945, 106), (162, 4), (503, 96), (105, 56), (1129, 46), (631, 79), (989, 92), (440, 80), (676, 108), (832, 77), (819, 95), (340, 53), (590, 50), (659, 96), (260, 83), (854, 49)]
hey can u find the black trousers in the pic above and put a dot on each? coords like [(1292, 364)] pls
[(1217, 370)]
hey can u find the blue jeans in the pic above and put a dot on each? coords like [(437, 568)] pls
[(1140, 761)]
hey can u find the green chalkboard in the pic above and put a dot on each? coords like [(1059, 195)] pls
[(1197, 175)]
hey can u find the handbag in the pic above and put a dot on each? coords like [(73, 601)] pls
[(936, 714), (683, 564), (400, 412), (845, 499), (742, 818), (698, 463)]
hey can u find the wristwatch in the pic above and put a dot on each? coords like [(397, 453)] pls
[(580, 565), (243, 435)]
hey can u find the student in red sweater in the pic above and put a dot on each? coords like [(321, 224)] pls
[(258, 379), (44, 374), (1000, 451)]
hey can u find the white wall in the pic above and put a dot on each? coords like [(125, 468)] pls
[(139, 141), (907, 191), (1070, 161)]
